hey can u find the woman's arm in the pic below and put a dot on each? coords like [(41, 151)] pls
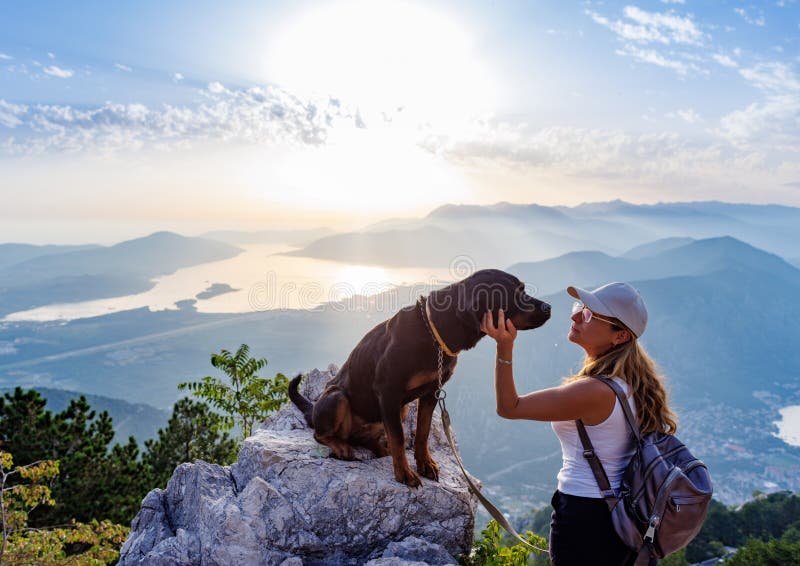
[(586, 399)]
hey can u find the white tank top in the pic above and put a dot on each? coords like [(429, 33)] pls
[(613, 443)]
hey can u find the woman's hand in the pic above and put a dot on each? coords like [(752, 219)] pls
[(504, 333)]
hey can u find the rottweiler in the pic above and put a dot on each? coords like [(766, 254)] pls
[(396, 362)]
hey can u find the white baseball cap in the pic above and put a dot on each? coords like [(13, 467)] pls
[(619, 300)]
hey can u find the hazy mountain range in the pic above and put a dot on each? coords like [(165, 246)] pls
[(57, 274), (723, 328), (507, 233)]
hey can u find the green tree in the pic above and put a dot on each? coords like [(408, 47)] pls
[(191, 433), (675, 559), (774, 552), (96, 543), (94, 482), (489, 549), (248, 398), (17, 501)]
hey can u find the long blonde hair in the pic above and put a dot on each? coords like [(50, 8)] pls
[(632, 363)]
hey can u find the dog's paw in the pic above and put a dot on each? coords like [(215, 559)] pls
[(428, 468), (408, 477), (343, 452)]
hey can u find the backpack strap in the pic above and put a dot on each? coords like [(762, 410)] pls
[(596, 466), (623, 401), (588, 450)]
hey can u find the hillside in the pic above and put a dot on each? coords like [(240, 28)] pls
[(102, 271), (139, 420)]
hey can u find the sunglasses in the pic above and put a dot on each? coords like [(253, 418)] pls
[(588, 315)]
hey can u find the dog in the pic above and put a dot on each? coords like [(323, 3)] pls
[(397, 362)]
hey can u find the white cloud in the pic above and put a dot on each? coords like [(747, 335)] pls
[(662, 160), (655, 58), (10, 113), (689, 115), (269, 116), (724, 60), (652, 27), (54, 71), (122, 67), (51, 55), (177, 77), (216, 87), (674, 1), (774, 122), (5, 57), (757, 21), (774, 77)]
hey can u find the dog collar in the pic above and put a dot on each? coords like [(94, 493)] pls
[(436, 334)]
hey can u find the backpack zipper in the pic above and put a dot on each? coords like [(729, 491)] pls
[(650, 467)]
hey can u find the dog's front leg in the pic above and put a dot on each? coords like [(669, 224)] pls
[(425, 464), (391, 407)]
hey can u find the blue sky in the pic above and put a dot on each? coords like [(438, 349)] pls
[(193, 115)]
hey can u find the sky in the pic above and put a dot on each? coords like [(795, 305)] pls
[(119, 119)]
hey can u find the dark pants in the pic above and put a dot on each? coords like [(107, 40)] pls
[(581, 533)]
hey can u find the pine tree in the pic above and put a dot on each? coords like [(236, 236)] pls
[(192, 433)]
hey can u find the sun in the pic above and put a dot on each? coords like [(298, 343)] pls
[(381, 56)]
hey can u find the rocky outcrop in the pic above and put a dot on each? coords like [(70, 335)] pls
[(286, 502)]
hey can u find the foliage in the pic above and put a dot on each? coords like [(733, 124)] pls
[(93, 544), (767, 517), (774, 552), (77, 543), (17, 501), (192, 433), (94, 482), (675, 559), (248, 398), (489, 551), (97, 481)]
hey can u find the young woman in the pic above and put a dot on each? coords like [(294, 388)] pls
[(607, 323)]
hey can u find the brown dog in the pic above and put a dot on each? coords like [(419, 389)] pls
[(396, 362)]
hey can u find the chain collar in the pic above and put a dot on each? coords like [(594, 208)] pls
[(440, 392)]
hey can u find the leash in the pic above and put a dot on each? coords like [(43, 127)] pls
[(440, 395)]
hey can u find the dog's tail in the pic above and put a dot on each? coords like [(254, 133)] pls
[(301, 402)]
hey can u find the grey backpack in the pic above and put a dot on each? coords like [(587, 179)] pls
[(664, 494)]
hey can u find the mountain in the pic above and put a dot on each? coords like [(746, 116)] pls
[(652, 248), (15, 253), (505, 233), (103, 271), (770, 227), (668, 259), (291, 237), (139, 420), (424, 246)]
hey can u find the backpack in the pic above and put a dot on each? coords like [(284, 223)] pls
[(664, 494)]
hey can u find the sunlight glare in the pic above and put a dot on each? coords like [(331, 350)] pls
[(384, 55)]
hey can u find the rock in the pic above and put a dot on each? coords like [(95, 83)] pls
[(285, 502)]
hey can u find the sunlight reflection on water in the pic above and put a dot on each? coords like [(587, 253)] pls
[(262, 281), (789, 425)]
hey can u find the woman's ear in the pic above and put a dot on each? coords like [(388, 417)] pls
[(622, 337)]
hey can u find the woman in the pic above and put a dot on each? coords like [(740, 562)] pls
[(607, 323)]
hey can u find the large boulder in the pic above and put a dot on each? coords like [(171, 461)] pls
[(287, 502)]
